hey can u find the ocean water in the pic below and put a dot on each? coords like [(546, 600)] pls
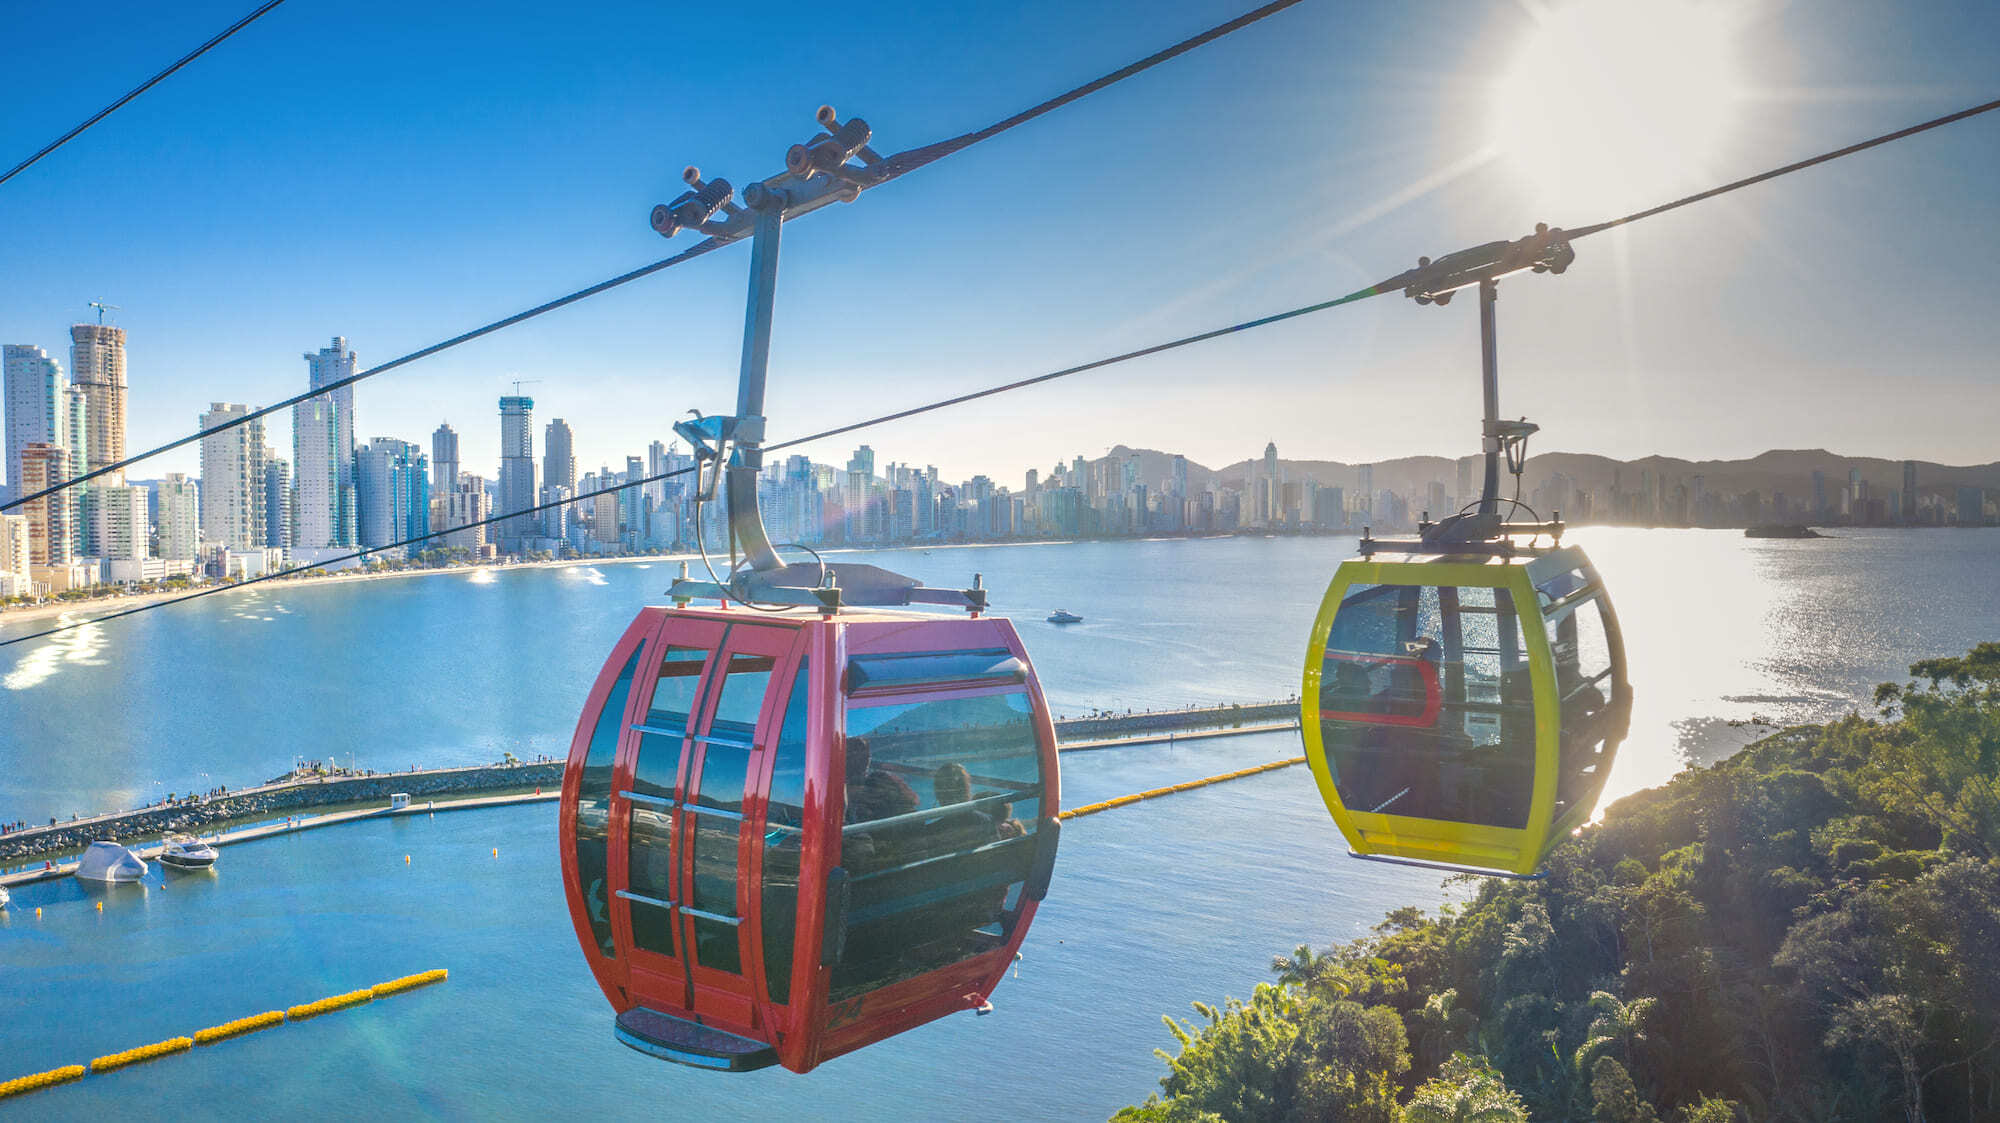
[(1154, 905)]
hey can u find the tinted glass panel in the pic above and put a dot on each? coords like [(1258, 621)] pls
[(593, 808), (742, 697), (715, 891), (942, 798), (674, 693), (1426, 705), (781, 846), (1580, 650), (650, 865), (657, 771)]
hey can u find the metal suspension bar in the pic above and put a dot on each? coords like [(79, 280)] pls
[(1489, 371), (745, 521)]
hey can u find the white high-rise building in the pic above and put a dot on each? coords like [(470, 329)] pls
[(34, 387), (467, 504), (180, 518), (121, 527), (15, 579), (97, 370), (232, 480), (324, 514)]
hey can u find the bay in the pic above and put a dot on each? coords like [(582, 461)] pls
[(1153, 906)]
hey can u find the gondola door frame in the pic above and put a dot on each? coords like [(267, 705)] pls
[(670, 971), (1517, 850)]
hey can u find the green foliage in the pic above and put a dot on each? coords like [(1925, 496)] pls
[(1467, 1089), (1807, 931)]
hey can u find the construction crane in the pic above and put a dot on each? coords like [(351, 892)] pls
[(520, 382), (102, 308)]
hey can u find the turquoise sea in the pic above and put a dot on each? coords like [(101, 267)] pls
[(1153, 905)]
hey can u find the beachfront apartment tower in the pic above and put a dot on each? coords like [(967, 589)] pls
[(517, 471), (51, 530), (444, 460), (34, 386), (232, 479), (559, 456), (394, 481), (323, 498), (97, 371), (277, 501), (179, 524)]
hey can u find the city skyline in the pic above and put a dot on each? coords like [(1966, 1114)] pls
[(958, 292)]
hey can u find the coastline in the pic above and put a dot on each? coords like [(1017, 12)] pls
[(100, 606)]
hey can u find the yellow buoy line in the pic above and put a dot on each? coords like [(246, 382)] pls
[(112, 1061), (1153, 793), (332, 1003)]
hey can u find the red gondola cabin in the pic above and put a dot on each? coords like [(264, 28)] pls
[(787, 836)]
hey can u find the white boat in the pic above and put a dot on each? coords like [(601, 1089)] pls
[(4, 897), (1063, 616), (185, 851), (109, 862)]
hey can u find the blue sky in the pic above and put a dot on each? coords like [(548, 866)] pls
[(397, 173)]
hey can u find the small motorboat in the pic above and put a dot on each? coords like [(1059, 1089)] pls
[(1063, 616), (4, 897), (186, 852), (110, 862)]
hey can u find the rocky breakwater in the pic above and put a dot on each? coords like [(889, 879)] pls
[(1097, 727), (277, 798)]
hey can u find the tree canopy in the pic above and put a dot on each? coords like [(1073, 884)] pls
[(1809, 930)]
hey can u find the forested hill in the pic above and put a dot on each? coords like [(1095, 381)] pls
[(1807, 931), (1786, 470)]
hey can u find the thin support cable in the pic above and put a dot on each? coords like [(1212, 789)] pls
[(148, 84), (897, 165)]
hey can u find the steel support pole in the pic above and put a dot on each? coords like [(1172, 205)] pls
[(748, 461), (1489, 370)]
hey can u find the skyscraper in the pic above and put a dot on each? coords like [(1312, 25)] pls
[(97, 369), (444, 460), (50, 534), (277, 501), (323, 504), (559, 456), (517, 471), (34, 387), (232, 480), (393, 482), (121, 530), (179, 523), (1909, 491)]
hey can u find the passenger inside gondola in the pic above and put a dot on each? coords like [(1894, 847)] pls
[(933, 872)]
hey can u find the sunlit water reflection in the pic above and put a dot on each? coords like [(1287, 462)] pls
[(1153, 905)]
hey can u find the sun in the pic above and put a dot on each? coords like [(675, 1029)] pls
[(1611, 105)]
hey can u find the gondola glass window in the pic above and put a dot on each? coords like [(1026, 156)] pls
[(784, 836), (1426, 707), (655, 779), (942, 799), (1580, 649), (718, 811), (593, 808)]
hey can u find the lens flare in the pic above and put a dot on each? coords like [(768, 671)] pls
[(1611, 106)]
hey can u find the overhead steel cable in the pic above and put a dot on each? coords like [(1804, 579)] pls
[(1387, 285), (897, 165), (355, 556), (148, 84), (1899, 134), (793, 442), (338, 383)]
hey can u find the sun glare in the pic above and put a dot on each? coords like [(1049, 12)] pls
[(1609, 106)]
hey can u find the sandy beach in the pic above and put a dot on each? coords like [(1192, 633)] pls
[(84, 610)]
